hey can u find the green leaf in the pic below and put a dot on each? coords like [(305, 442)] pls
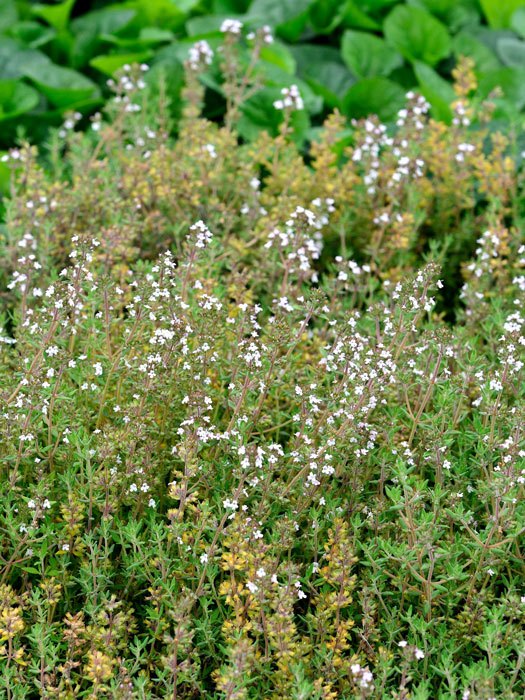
[(439, 93), (202, 26), (63, 87), (8, 14), (417, 35), (276, 12), (353, 16), (378, 96), (149, 36), (89, 29), (55, 15), (13, 59), (322, 68), (436, 7), (157, 13), (517, 22), (499, 12), (326, 15), (511, 82), (107, 21), (512, 52), (367, 55), (279, 55), (32, 34), (465, 44), (16, 98), (259, 114), (289, 17), (113, 62)]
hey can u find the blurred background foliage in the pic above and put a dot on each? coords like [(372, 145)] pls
[(358, 56)]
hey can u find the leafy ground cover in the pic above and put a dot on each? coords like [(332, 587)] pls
[(262, 417), (358, 57)]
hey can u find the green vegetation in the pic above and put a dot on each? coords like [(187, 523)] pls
[(359, 57), (262, 416)]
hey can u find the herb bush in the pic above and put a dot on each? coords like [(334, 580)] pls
[(262, 415)]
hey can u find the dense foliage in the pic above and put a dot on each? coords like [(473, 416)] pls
[(359, 57), (262, 419)]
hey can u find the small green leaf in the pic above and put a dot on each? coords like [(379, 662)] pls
[(378, 96), (417, 35), (113, 62), (367, 55)]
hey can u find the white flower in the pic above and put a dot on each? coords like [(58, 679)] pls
[(98, 369), (252, 587), (200, 54), (231, 26), (402, 644), (291, 99), (419, 654)]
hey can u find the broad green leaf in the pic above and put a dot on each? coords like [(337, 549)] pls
[(517, 22), (289, 17), (63, 87), (89, 29), (156, 13), (276, 12), (280, 55), (436, 7), (55, 15), (499, 12), (353, 16), (149, 36), (16, 98), (33, 34), (14, 60), (110, 20), (220, 7), (512, 52), (417, 35), (465, 44), (8, 14), (511, 82), (111, 63), (367, 55), (326, 15), (439, 93), (321, 67), (378, 96), (201, 26), (259, 114)]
